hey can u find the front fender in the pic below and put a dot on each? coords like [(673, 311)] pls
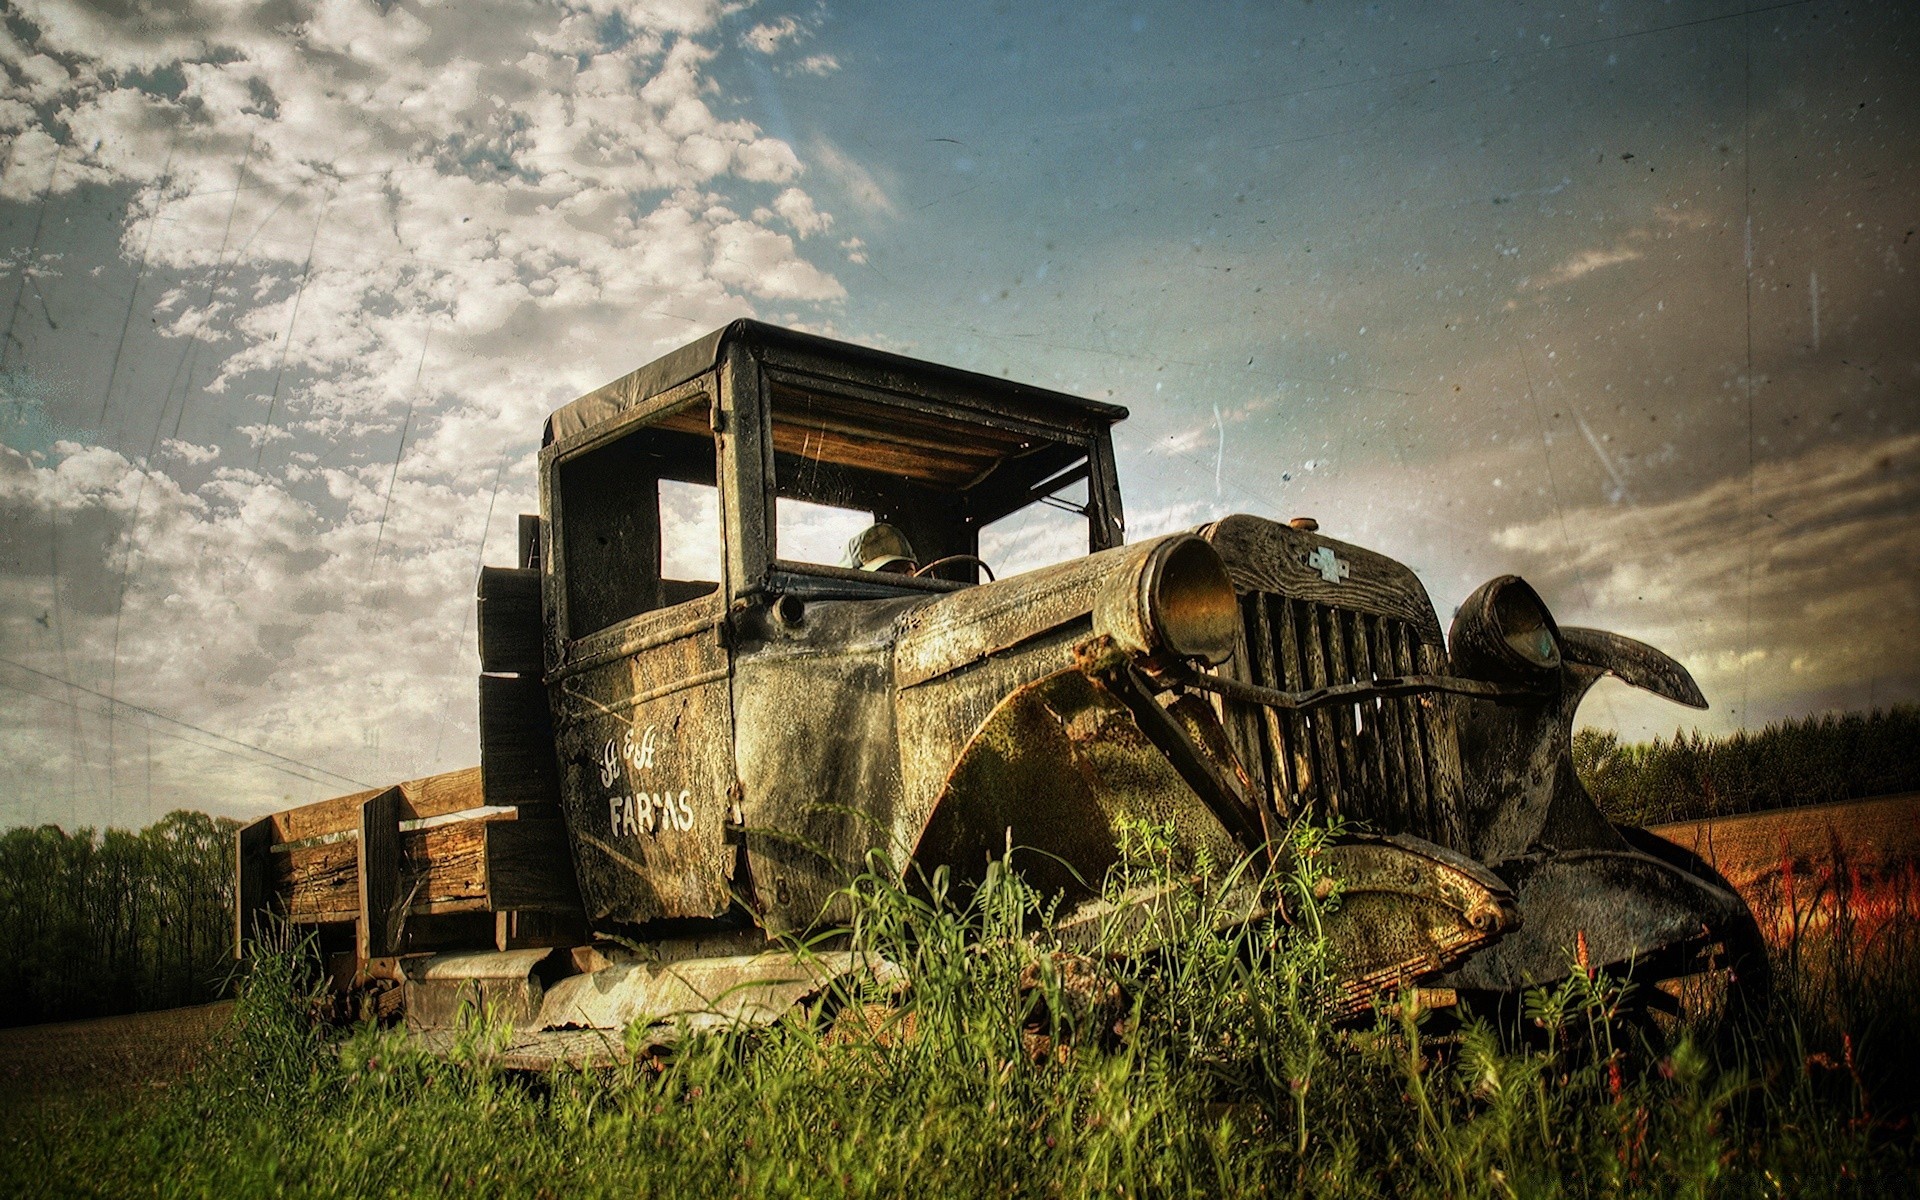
[(1522, 792), (1631, 662)]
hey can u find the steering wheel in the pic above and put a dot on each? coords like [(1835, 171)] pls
[(954, 560)]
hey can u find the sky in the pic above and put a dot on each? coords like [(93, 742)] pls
[(1619, 297)]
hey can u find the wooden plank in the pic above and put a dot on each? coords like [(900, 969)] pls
[(432, 796), (511, 635), (516, 742), (319, 883), (378, 873), (438, 870), (529, 556), (529, 867), (441, 795), (450, 863), (252, 892)]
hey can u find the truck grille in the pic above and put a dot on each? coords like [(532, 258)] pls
[(1391, 763)]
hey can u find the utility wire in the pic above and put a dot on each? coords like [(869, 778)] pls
[(293, 762), (406, 427), (1746, 197), (133, 293), (26, 264), (306, 273), (151, 733)]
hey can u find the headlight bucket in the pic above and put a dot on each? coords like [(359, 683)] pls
[(1504, 633), (1170, 595)]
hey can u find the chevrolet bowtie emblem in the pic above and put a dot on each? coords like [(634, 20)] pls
[(1328, 564)]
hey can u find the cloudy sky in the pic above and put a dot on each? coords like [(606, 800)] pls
[(1621, 297)]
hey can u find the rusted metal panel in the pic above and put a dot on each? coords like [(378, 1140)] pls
[(969, 626), (502, 985), (645, 743), (1265, 556), (1056, 769), (937, 720), (817, 750), (1408, 909)]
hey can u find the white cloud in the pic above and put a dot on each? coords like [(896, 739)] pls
[(796, 208), (188, 452), (859, 183), (767, 36), (361, 218)]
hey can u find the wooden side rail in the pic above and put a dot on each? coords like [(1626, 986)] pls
[(434, 796), (348, 860)]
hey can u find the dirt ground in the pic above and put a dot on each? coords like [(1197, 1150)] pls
[(140, 1051)]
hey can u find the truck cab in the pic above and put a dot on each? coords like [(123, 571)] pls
[(709, 655)]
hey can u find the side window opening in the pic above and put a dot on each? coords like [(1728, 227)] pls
[(817, 533), (640, 522), (690, 541)]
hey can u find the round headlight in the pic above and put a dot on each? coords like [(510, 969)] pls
[(1172, 595), (1504, 631)]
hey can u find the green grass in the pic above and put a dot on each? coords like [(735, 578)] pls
[(1005, 1070), (1813, 760)]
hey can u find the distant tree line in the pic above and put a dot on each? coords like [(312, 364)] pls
[(1814, 760), (93, 925)]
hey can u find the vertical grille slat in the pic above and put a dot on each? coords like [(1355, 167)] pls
[(1376, 633), (1326, 748), (1299, 751), (1274, 739), (1390, 763), (1416, 725), (1368, 745), (1332, 628)]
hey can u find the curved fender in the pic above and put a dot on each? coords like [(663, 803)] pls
[(1053, 772), (1631, 662)]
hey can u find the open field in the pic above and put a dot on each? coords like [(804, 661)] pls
[(1795, 866), (107, 1053)]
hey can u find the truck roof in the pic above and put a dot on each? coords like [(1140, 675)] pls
[(605, 403)]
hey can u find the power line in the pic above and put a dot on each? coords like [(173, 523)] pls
[(306, 273), (67, 683), (74, 707), (33, 248), (400, 451), (1746, 199)]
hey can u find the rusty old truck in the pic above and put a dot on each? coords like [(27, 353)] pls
[(699, 718)]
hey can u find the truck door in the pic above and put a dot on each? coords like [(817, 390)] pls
[(639, 687)]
